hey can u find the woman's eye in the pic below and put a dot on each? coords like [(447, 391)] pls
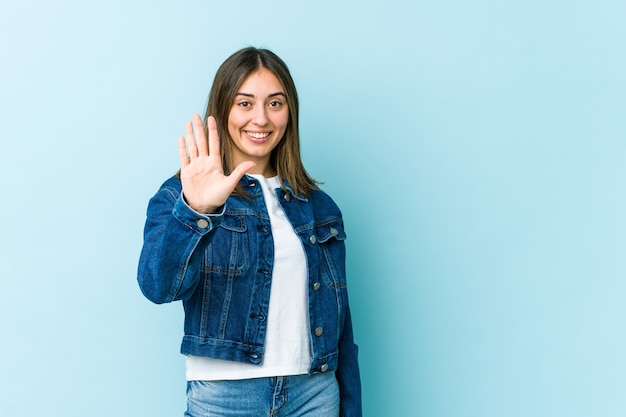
[(245, 104), (275, 104)]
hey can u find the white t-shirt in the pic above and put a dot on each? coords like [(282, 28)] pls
[(287, 349)]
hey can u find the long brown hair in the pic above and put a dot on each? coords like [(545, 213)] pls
[(285, 158)]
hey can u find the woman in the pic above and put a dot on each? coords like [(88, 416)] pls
[(255, 251)]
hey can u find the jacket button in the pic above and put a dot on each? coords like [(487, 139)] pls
[(333, 231), (324, 367), (319, 331), (202, 224), (313, 239), (287, 197), (316, 286)]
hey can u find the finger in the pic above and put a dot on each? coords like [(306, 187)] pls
[(201, 142), (214, 139), (182, 152), (238, 172), (191, 141)]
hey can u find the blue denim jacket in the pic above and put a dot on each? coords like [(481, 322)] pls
[(221, 268)]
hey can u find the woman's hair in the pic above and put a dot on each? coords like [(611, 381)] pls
[(285, 157)]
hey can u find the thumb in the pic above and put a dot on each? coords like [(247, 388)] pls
[(241, 169)]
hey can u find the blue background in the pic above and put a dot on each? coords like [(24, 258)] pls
[(478, 150)]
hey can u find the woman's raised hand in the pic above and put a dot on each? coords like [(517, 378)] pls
[(205, 187)]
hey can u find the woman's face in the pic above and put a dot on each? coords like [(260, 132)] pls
[(257, 120)]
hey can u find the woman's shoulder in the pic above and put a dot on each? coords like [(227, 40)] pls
[(171, 186), (322, 200), (172, 182)]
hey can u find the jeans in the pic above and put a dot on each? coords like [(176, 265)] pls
[(314, 395)]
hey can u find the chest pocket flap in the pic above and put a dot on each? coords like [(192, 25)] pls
[(234, 223), (331, 230)]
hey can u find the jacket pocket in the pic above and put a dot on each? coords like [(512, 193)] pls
[(229, 252), (330, 237), (326, 232)]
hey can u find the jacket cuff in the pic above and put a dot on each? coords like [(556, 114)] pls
[(198, 222)]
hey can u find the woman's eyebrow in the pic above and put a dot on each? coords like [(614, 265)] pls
[(279, 93)]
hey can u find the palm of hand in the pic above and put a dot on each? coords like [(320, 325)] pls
[(205, 187)]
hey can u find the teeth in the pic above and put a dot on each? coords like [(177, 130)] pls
[(258, 135)]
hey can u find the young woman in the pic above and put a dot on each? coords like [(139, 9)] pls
[(255, 251)]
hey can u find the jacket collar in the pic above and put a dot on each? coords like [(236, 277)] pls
[(246, 180), (290, 190)]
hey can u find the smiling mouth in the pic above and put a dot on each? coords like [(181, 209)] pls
[(257, 136)]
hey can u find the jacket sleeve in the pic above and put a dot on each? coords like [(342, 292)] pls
[(175, 238), (348, 375)]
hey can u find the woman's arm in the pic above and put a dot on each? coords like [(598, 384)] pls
[(178, 229), (348, 375), (175, 238)]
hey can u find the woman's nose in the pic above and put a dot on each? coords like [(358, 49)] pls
[(260, 116)]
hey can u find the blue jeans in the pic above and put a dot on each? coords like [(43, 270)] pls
[(315, 395)]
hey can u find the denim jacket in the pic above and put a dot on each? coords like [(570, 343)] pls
[(220, 266)]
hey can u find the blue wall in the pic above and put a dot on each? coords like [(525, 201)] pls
[(477, 149)]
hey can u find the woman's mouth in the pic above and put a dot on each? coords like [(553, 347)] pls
[(257, 137)]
